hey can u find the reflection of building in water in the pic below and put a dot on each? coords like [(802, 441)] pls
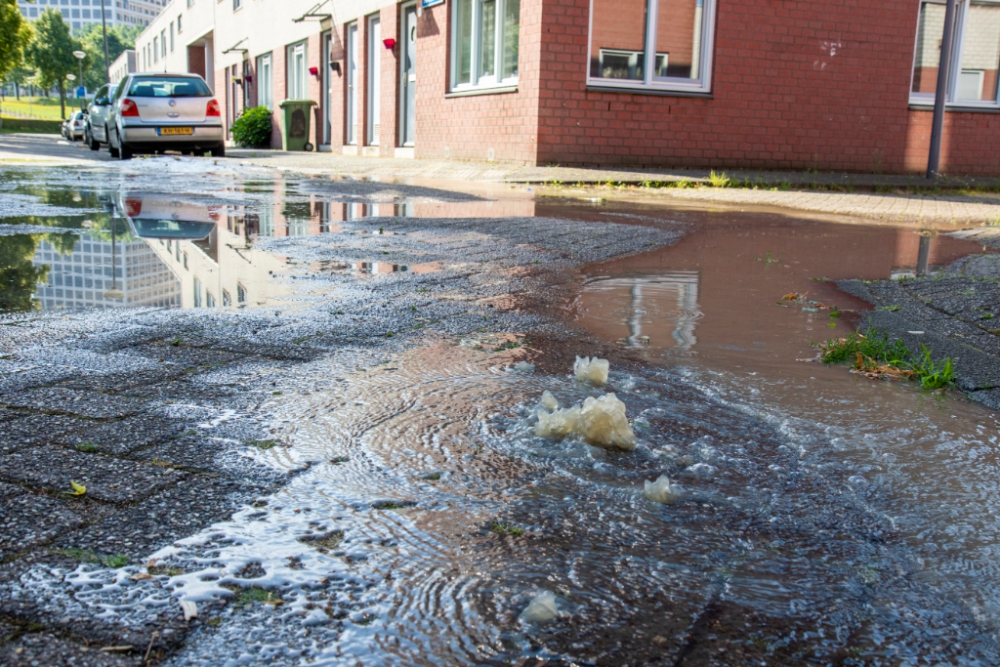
[(80, 279), (656, 311)]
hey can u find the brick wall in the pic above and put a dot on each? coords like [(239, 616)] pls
[(468, 127), (796, 85), (390, 82)]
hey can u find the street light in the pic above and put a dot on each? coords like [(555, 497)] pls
[(80, 55), (114, 292)]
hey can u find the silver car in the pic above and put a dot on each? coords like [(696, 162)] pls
[(156, 112), (96, 132), (73, 127)]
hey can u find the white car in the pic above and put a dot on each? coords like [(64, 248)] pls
[(74, 127), (156, 112), (96, 132)]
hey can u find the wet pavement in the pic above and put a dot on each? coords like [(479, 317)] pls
[(307, 406)]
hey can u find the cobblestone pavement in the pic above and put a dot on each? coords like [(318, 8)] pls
[(910, 199)]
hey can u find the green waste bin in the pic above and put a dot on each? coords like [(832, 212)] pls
[(295, 128)]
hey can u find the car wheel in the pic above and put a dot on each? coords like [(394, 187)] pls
[(111, 144), (124, 152), (219, 151), (93, 143)]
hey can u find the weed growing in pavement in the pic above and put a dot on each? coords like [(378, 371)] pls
[(506, 529), (262, 444), (88, 556), (255, 594), (719, 180), (87, 446), (934, 376), (889, 309), (874, 355)]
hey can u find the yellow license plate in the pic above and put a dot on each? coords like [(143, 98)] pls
[(176, 130)]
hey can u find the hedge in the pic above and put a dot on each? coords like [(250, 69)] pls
[(37, 126)]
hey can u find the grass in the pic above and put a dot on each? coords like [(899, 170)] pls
[(87, 446), (263, 444), (38, 107), (88, 556), (255, 594), (506, 529), (875, 355), (719, 180)]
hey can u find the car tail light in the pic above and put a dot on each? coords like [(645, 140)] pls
[(213, 109), (133, 207), (129, 109)]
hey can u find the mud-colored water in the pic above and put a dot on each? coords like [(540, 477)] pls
[(818, 518)]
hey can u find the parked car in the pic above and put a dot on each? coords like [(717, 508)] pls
[(73, 127), (153, 112), (152, 216), (96, 132)]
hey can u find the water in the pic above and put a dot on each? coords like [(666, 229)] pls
[(821, 518)]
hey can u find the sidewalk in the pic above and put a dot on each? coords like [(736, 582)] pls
[(888, 198)]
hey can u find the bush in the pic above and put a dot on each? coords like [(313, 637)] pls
[(253, 128)]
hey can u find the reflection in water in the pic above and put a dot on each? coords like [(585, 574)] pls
[(648, 311)]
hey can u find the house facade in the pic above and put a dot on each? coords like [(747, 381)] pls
[(834, 85)]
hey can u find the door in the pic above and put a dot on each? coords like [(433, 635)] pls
[(327, 96), (408, 112), (352, 84), (374, 80)]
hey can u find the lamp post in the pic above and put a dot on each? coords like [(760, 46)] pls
[(941, 94), (80, 55), (104, 29), (114, 292)]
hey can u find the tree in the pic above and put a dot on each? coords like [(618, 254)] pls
[(18, 274), (119, 38), (51, 52), (14, 36)]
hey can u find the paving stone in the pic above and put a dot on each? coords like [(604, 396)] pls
[(222, 457), (10, 490), (122, 437), (26, 429), (195, 503), (187, 357), (107, 479), (28, 520), (68, 401), (37, 649), (119, 382)]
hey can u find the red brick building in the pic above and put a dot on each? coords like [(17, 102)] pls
[(797, 84)]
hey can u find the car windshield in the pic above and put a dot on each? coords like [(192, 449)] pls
[(148, 86)]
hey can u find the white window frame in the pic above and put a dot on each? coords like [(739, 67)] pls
[(958, 41), (485, 82), (701, 85), (293, 83), (265, 83)]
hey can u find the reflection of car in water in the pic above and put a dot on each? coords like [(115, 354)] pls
[(160, 217)]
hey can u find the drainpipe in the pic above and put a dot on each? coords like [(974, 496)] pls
[(940, 97)]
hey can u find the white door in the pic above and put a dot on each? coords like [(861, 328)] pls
[(374, 79), (327, 88), (408, 100), (352, 84)]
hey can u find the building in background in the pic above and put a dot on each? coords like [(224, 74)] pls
[(78, 13), (81, 278), (839, 85), (122, 65)]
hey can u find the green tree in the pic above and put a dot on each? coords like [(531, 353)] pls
[(120, 37), (18, 274), (14, 35), (51, 52)]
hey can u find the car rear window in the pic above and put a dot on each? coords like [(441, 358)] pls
[(168, 87)]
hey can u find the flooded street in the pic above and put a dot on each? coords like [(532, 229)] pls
[(367, 362)]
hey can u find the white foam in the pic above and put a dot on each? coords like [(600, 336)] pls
[(660, 491), (594, 371), (600, 422), (541, 609)]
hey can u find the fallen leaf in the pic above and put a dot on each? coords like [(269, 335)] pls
[(78, 489), (116, 649), (139, 576)]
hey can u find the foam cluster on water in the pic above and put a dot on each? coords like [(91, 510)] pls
[(592, 370)]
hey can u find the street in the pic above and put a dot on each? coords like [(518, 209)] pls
[(258, 411)]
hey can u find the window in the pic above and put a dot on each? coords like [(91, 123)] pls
[(237, 4), (171, 38), (163, 43), (156, 50), (656, 44), (197, 292), (975, 56), (265, 82), (179, 31), (241, 294), (297, 70), (486, 38)]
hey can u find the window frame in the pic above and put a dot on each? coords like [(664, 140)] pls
[(700, 86), (261, 81), (484, 83), (289, 67), (958, 42)]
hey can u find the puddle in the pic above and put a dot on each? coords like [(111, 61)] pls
[(771, 511)]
